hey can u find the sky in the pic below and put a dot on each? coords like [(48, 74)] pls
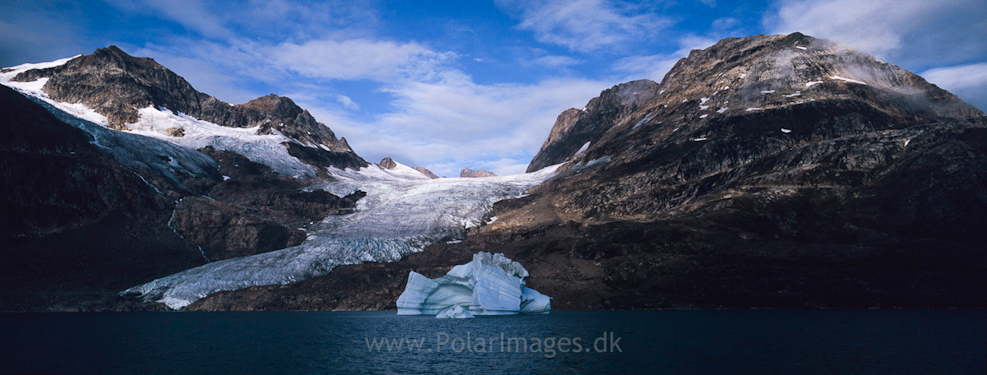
[(477, 84)]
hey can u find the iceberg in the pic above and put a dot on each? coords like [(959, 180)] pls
[(455, 312), (491, 284)]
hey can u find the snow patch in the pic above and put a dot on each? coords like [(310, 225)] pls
[(767, 92), (813, 83), (754, 109), (645, 120), (582, 149), (797, 93), (848, 80), (703, 116), (722, 109), (786, 131), (699, 139)]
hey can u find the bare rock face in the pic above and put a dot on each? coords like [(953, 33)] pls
[(575, 127), (226, 231), (427, 172), (388, 163), (466, 172)]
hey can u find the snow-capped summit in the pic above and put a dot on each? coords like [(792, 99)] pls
[(122, 92)]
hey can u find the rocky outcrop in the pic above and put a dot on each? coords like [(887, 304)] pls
[(469, 173), (388, 163), (427, 172), (575, 127), (116, 85)]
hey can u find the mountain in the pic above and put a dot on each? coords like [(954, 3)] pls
[(469, 173), (121, 87), (388, 163), (777, 171), (427, 172), (116, 172)]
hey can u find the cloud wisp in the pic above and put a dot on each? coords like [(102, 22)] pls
[(584, 25)]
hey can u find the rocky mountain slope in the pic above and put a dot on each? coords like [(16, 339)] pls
[(89, 211), (117, 86), (770, 171)]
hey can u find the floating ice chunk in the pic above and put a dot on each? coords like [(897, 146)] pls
[(491, 284), (455, 312), (813, 83), (786, 131), (848, 80)]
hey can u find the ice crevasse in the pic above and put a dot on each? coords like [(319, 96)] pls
[(491, 284)]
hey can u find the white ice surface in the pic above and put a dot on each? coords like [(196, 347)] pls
[(454, 312), (263, 149), (397, 217), (582, 149), (491, 284), (813, 83)]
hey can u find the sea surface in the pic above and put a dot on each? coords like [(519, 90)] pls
[(720, 342)]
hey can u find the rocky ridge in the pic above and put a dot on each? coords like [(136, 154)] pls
[(469, 173), (117, 85)]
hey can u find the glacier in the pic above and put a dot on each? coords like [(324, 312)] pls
[(491, 284), (400, 214)]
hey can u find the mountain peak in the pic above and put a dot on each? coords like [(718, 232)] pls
[(388, 163), (746, 76), (466, 172), (118, 86)]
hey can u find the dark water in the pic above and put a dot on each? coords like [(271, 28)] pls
[(761, 342)]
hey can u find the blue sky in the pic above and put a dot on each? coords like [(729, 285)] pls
[(478, 84)]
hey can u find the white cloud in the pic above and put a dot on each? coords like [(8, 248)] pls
[(916, 33), (584, 25), (356, 59), (556, 61), (969, 82), (654, 67), (453, 122)]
